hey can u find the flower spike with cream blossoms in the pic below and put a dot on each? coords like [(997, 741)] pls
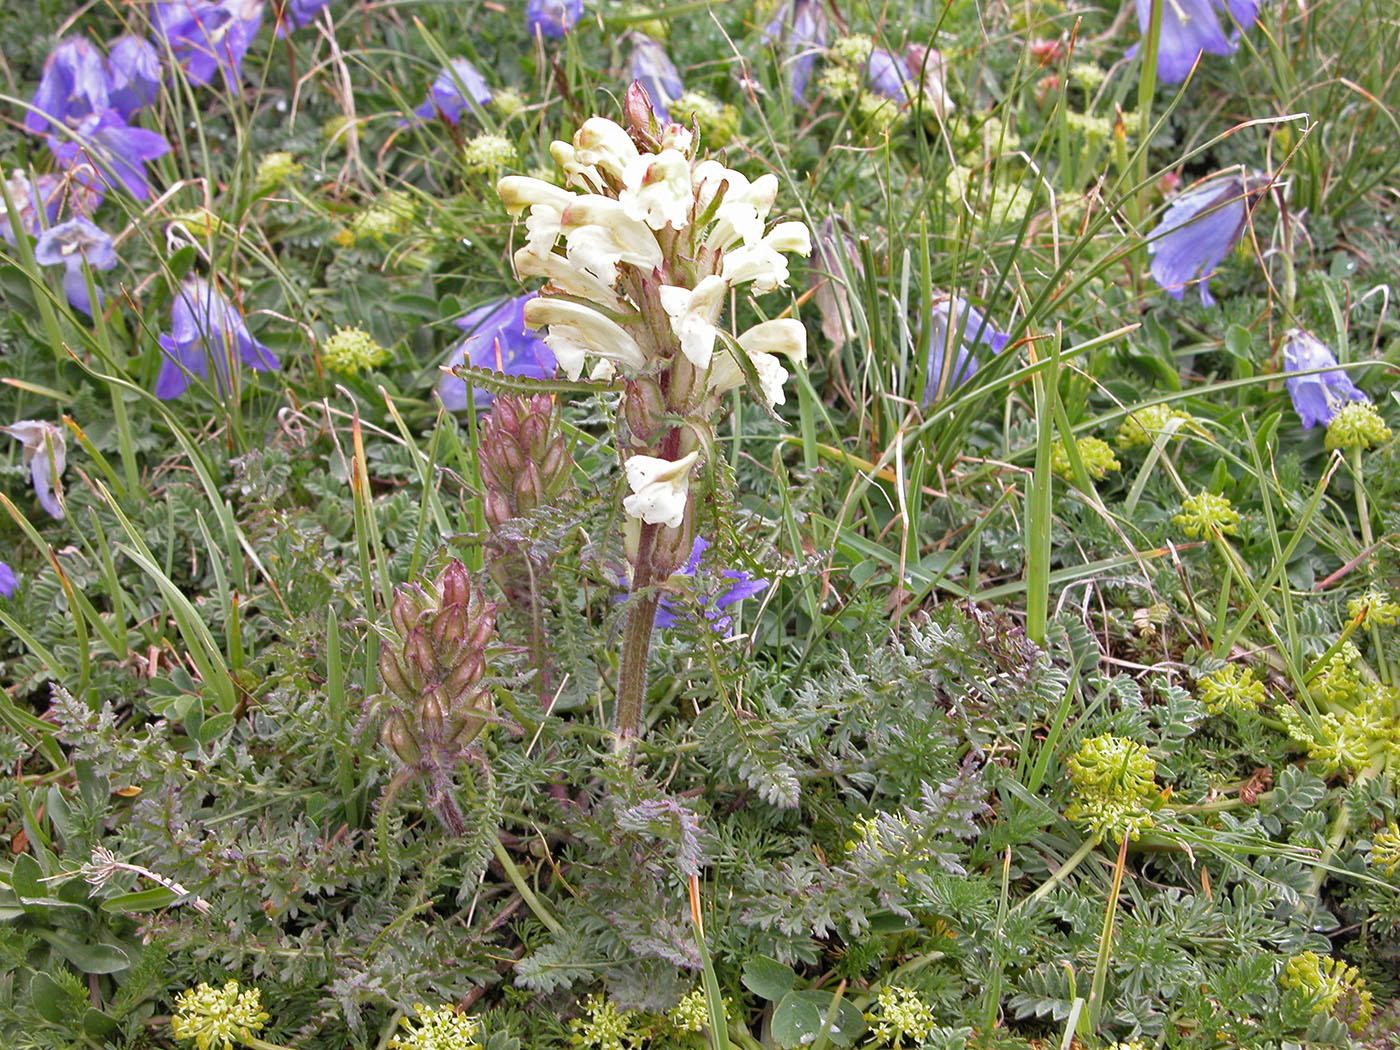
[(641, 250)]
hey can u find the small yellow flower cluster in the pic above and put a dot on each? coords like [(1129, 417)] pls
[(1357, 424), (487, 153), (351, 350), (692, 1014), (1087, 75), (1097, 456), (1115, 786), (1336, 681), (1330, 986), (718, 123), (1340, 743), (852, 50), (900, 1014), (1231, 687), (1379, 610), (1094, 129), (437, 1028), (387, 217), (507, 102), (1385, 850), (218, 1018), (1144, 424), (1207, 513), (275, 169), (606, 1027)]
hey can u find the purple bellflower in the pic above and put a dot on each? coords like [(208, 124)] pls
[(1198, 229), (445, 97), (738, 586), (800, 27), (133, 75), (72, 243), (954, 325), (496, 339), (73, 86), (207, 36), (45, 454), (1191, 28), (294, 14), (9, 582), (552, 18), (117, 150), (650, 66), (204, 327), (1315, 397), (43, 193), (887, 75)]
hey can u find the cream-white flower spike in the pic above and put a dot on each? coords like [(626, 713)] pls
[(660, 488), (693, 313), (575, 329), (634, 241), (763, 343), (657, 189)]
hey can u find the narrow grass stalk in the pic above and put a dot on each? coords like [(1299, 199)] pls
[(1039, 507), (714, 999), (1096, 986)]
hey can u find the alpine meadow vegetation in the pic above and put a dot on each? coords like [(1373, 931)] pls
[(756, 524)]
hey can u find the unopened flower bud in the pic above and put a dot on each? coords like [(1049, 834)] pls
[(448, 630), (432, 714), (455, 585), (399, 739), (642, 406), (408, 605), (419, 656), (398, 681), (641, 116)]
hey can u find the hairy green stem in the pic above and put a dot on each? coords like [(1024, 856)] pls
[(636, 642)]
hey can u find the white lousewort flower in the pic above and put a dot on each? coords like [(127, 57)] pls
[(45, 454), (693, 313), (677, 137), (710, 175), (568, 275), (585, 176), (633, 241), (519, 192), (660, 488), (575, 329), (603, 144), (762, 343), (763, 263), (657, 189), (735, 221)]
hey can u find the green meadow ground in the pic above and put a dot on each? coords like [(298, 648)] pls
[(1069, 714)]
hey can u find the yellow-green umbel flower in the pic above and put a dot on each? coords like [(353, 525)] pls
[(1115, 786), (1207, 513), (854, 49), (218, 1018), (352, 350), (900, 1014), (1375, 610), (692, 1014), (1144, 424), (1337, 681), (388, 216), (487, 153), (1088, 76), (437, 1028), (606, 1027), (507, 102), (840, 81), (1230, 688), (275, 169), (1357, 424), (1329, 986), (1097, 457)]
